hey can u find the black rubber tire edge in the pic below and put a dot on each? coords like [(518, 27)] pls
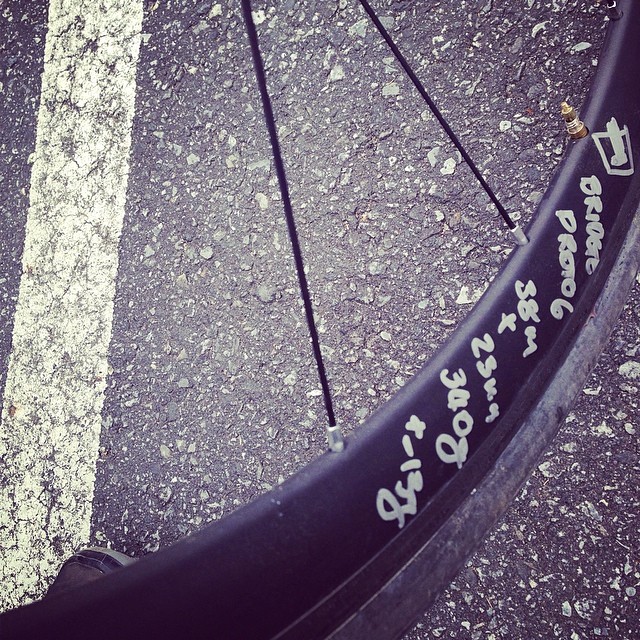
[(409, 593)]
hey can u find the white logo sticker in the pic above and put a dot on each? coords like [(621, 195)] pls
[(614, 146)]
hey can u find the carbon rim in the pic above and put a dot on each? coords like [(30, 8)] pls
[(203, 562)]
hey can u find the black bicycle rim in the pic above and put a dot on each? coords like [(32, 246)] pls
[(247, 576)]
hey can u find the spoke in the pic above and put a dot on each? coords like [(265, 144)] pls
[(513, 227), (336, 442)]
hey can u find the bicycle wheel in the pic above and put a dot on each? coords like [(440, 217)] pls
[(251, 565)]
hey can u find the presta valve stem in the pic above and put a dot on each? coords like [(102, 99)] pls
[(575, 126)]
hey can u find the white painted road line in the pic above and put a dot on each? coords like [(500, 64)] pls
[(58, 365)]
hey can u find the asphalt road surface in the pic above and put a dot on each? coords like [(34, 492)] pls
[(155, 371)]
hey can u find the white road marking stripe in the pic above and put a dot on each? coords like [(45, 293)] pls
[(56, 376)]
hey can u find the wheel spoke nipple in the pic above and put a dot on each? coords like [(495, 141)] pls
[(575, 126), (519, 235), (336, 439), (612, 9)]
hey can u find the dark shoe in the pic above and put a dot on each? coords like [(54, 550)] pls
[(87, 565)]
